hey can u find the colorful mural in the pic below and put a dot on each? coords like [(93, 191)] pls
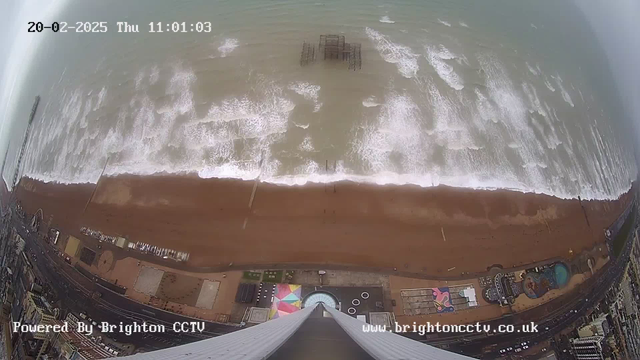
[(442, 300), (286, 300)]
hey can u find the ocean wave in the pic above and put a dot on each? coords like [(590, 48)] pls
[(385, 19), (436, 57), (396, 131), (532, 70), (308, 91), (402, 56), (227, 46), (370, 102), (154, 75), (565, 94), (445, 23), (503, 134), (547, 83)]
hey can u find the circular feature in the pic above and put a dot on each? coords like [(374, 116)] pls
[(351, 311), (562, 274), (355, 302), (105, 262), (320, 297), (364, 295)]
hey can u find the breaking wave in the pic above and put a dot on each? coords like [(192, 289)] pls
[(228, 45), (385, 19), (499, 133), (437, 58), (309, 92), (402, 56)]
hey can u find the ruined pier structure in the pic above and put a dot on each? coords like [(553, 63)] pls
[(332, 47)]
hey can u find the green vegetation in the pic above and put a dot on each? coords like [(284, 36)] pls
[(272, 276), (621, 238), (252, 275)]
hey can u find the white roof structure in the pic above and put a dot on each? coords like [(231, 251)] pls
[(470, 294), (263, 340)]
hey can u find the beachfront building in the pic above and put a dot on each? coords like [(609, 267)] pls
[(587, 348), (598, 327), (294, 335), (37, 312)]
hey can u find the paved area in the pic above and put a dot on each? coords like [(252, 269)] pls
[(72, 246), (179, 288), (484, 310), (148, 280), (258, 315), (343, 278), (216, 305), (105, 262), (208, 294), (427, 301)]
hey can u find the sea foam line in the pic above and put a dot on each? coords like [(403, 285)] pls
[(402, 56)]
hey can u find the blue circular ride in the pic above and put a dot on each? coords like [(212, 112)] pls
[(562, 274)]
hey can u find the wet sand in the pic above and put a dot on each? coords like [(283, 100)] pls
[(413, 229)]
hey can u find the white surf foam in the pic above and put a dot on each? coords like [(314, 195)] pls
[(445, 23), (309, 92), (534, 102), (402, 56), (547, 83), (485, 109), (531, 69), (565, 94), (530, 165), (370, 102), (385, 19), (463, 24), (437, 57), (450, 130), (154, 76), (306, 145), (396, 132), (139, 77), (101, 97), (228, 45), (446, 137)]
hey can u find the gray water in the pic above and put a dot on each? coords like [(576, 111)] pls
[(491, 94)]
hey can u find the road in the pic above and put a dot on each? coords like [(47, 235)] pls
[(75, 293)]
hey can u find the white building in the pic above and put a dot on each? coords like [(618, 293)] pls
[(587, 348), (317, 329), (598, 327)]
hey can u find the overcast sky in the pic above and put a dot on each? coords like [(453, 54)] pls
[(617, 26), (21, 45)]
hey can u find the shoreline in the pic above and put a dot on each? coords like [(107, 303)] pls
[(330, 179), (415, 230)]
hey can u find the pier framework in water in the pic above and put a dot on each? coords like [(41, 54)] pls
[(333, 47)]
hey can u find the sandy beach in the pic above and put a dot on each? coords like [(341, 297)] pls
[(421, 230)]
